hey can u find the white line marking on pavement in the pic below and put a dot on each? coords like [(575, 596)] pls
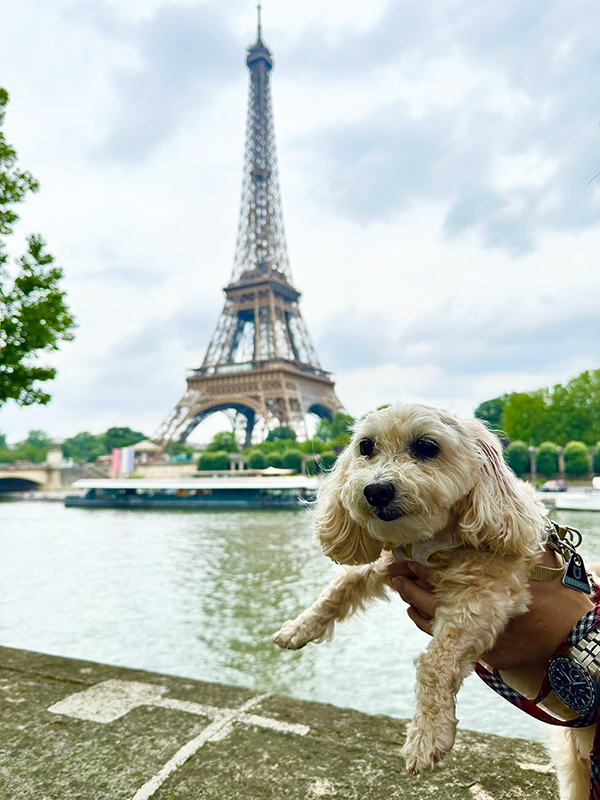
[(112, 699), (544, 768), (479, 793)]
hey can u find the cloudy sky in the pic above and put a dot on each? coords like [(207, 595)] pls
[(435, 160)]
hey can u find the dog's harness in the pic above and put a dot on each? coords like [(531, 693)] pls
[(561, 541), (556, 536), (421, 552)]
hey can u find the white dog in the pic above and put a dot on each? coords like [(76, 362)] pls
[(419, 482)]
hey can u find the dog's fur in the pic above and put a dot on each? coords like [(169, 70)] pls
[(466, 487)]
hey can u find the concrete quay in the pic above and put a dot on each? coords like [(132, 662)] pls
[(74, 730)]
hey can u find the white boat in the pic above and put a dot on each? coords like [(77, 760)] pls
[(197, 493), (586, 500)]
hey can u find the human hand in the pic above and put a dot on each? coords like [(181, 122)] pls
[(530, 639)]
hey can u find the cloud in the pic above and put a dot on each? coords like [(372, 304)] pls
[(470, 118), (180, 57)]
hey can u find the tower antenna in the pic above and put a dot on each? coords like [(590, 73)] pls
[(259, 25)]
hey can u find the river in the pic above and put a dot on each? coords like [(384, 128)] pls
[(199, 594)]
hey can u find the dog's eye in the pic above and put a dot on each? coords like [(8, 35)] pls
[(424, 449), (367, 447)]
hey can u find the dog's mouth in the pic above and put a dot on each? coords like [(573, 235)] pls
[(388, 514)]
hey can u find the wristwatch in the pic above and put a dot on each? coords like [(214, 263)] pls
[(575, 674)]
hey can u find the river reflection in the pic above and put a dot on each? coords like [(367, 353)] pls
[(200, 593)]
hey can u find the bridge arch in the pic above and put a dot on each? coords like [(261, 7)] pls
[(16, 484)]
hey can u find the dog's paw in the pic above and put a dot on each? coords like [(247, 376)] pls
[(425, 747), (291, 636)]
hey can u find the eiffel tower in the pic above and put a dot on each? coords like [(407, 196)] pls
[(260, 363)]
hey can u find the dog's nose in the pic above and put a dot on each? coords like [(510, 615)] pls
[(379, 493)]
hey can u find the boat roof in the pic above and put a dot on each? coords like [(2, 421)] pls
[(279, 482)]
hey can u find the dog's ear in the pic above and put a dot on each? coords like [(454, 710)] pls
[(341, 537), (501, 512)]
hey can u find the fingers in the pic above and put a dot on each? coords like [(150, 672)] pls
[(413, 584), (415, 595), (420, 621), (410, 569)]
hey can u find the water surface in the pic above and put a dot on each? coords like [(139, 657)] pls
[(199, 594)]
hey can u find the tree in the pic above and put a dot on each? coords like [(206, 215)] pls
[(34, 316), (121, 437), (561, 414), (338, 428), (181, 451), (490, 412), (576, 459), (274, 460), (84, 446), (35, 447), (283, 432), (327, 461), (547, 458), (292, 459), (224, 440), (213, 460), (596, 459), (256, 460), (524, 416), (312, 446), (517, 457)]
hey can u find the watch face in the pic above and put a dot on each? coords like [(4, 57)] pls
[(573, 684)]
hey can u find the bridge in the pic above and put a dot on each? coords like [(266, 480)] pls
[(27, 478), (51, 476)]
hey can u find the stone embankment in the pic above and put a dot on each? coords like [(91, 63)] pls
[(73, 730)]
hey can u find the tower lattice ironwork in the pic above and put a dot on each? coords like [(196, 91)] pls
[(260, 363)]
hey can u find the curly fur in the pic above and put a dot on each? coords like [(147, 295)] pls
[(464, 486)]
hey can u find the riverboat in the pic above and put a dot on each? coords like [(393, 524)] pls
[(195, 493), (587, 500)]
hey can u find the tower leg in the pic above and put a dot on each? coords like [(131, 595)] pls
[(250, 420)]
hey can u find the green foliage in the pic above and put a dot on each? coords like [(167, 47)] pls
[(312, 446), (524, 417), (3, 444), (84, 447), (181, 451), (274, 459), (256, 459), (517, 457), (596, 459), (490, 412), (327, 461), (312, 467), (338, 427), (576, 459), (34, 316), (282, 432), (224, 440), (15, 184), (121, 437), (559, 414), (35, 447), (292, 459), (7, 456), (547, 458), (213, 460)]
